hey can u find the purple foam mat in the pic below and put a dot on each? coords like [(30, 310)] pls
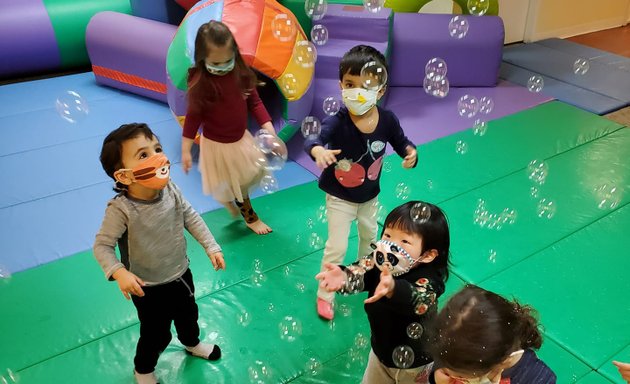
[(425, 118)]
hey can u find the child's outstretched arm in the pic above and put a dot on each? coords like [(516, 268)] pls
[(405, 297), (113, 227), (350, 279), (199, 230), (315, 145)]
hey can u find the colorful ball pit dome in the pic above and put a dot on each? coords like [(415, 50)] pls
[(251, 24)]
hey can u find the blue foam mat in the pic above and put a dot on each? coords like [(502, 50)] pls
[(587, 53), (570, 94)]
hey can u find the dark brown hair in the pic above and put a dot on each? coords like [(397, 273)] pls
[(111, 152), (353, 61), (201, 88), (478, 329)]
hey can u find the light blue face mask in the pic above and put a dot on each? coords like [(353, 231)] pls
[(221, 70)]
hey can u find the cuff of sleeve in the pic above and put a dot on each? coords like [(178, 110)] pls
[(212, 250), (110, 272)]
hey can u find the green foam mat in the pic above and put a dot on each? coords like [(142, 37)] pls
[(595, 378), (608, 370)]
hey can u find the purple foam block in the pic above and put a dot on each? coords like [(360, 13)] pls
[(330, 54), (28, 40), (351, 22), (132, 46), (472, 61)]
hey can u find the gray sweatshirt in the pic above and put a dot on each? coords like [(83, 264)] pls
[(150, 236)]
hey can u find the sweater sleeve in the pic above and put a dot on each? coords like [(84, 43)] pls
[(257, 108), (192, 123), (398, 139), (413, 298), (328, 127), (360, 276), (113, 227), (196, 226)]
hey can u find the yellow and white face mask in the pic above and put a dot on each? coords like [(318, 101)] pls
[(359, 100)]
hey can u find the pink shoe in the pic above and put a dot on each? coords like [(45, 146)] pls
[(325, 309)]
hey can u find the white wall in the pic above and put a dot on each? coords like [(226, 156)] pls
[(514, 14), (565, 18)]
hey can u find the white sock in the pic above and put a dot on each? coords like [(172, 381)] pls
[(145, 378), (206, 351)]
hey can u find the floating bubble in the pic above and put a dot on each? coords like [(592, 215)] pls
[(286, 270), (480, 127), (313, 366), (319, 34), (478, 7), (259, 373), (331, 106), (373, 75), (361, 341), (415, 331), (315, 241), (257, 265), (461, 147), (373, 6), (403, 356), (290, 328), (436, 86), (533, 192), (310, 223), (311, 127), (315, 9), (486, 105), (345, 310), (273, 149), (402, 191), (283, 28), (420, 212), (300, 287), (289, 83), (609, 196), (435, 67), (305, 54), (72, 107), (467, 106), (387, 165), (271, 307), (546, 208), (258, 278), (581, 66), (458, 27), (322, 213), (269, 184), (537, 171), (429, 184), (244, 318), (9, 377), (492, 256), (535, 83), (5, 274)]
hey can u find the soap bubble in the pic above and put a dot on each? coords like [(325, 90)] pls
[(373, 5), (467, 106), (458, 27), (259, 373), (344, 309), (319, 34), (546, 208), (289, 83), (283, 28), (478, 7), (258, 278), (315, 241), (313, 366), (5, 274), (322, 213), (533, 192), (310, 223), (273, 150), (72, 107), (257, 265), (461, 147), (271, 307), (9, 377), (581, 66), (402, 191), (290, 328), (436, 86), (244, 318), (403, 356), (311, 127), (537, 171), (269, 184), (486, 105), (305, 54), (420, 212), (435, 67), (331, 106), (535, 83), (315, 9), (609, 196), (415, 331), (492, 256), (361, 341), (373, 75), (300, 287), (480, 127)]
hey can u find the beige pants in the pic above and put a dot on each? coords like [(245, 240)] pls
[(340, 215), (377, 373)]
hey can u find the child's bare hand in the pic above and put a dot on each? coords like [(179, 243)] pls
[(332, 279), (384, 288), (186, 161), (410, 160), (442, 378), (128, 283), (624, 370), (217, 260), (325, 157)]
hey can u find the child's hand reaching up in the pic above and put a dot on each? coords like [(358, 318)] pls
[(217, 260), (384, 288), (324, 157), (332, 279), (128, 283), (411, 158)]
